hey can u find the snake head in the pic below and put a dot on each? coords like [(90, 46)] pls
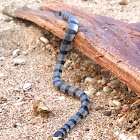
[(57, 13)]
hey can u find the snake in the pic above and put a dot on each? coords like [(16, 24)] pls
[(71, 31)]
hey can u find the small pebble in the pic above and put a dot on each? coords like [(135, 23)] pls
[(27, 86), (113, 103), (15, 126), (116, 103), (74, 54), (17, 89), (25, 52), (2, 75), (112, 2), (129, 90), (61, 97), (45, 40), (126, 137), (116, 108), (1, 57), (135, 122), (45, 32), (48, 46), (123, 2), (40, 108), (99, 81), (39, 1), (98, 108), (19, 103), (19, 62), (16, 52), (87, 129), (111, 124), (88, 79), (130, 121), (116, 133), (106, 89), (106, 105), (121, 120), (125, 107), (114, 82), (89, 94), (103, 81), (103, 70), (133, 127), (8, 19), (99, 93), (108, 113), (67, 63), (128, 128), (2, 100)]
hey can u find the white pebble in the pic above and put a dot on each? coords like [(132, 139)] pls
[(99, 93), (2, 58), (17, 89), (125, 137), (104, 81), (116, 103), (45, 40), (106, 89), (116, 133), (61, 97), (115, 82), (25, 52), (99, 81), (89, 94), (16, 52), (111, 103), (122, 119), (2, 75), (88, 79), (67, 63), (39, 1), (19, 61), (19, 103), (48, 46), (112, 2), (27, 86)]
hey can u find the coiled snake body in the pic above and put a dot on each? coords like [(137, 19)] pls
[(71, 30)]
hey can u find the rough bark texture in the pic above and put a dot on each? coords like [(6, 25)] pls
[(113, 44)]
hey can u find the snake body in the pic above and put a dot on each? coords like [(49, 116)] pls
[(71, 31)]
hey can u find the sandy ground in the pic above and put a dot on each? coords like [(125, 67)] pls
[(112, 116)]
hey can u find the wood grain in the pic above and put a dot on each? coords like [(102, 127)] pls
[(113, 44)]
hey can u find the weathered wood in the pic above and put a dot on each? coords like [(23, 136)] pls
[(113, 44)]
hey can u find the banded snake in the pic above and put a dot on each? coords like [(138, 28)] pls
[(71, 31)]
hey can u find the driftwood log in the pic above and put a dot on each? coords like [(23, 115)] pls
[(113, 44)]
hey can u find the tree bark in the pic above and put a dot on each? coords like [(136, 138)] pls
[(113, 44)]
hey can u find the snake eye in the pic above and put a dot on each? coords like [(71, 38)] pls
[(57, 13)]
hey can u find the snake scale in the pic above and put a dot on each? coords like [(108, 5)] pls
[(71, 31)]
